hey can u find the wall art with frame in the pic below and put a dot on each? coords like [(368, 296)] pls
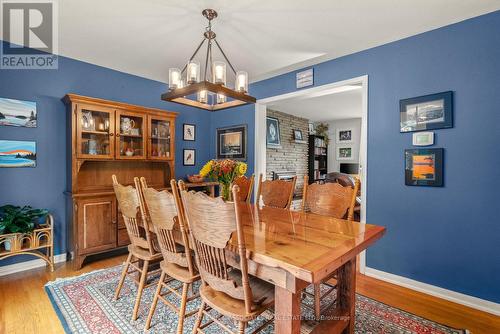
[(424, 167)]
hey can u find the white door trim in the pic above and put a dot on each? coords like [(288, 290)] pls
[(260, 135)]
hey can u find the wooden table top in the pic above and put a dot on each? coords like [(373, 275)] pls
[(309, 246)]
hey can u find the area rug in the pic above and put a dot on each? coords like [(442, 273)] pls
[(85, 305)]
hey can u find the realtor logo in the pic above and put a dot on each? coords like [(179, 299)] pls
[(29, 34)]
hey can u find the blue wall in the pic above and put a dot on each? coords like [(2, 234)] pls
[(450, 236), (44, 185)]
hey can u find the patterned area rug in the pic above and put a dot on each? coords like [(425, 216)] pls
[(85, 305)]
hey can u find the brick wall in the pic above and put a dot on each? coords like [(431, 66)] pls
[(291, 156)]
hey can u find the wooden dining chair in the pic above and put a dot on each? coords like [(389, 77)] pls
[(276, 193), (229, 291), (141, 248), (334, 200), (246, 187), (166, 213)]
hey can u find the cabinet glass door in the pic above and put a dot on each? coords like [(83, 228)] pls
[(95, 132), (160, 136), (130, 132)]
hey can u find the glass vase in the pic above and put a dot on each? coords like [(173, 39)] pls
[(226, 191)]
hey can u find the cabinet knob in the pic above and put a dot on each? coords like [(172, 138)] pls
[(118, 135), (111, 134)]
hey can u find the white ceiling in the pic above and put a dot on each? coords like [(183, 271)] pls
[(334, 106), (262, 37)]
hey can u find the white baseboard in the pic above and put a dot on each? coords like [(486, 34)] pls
[(27, 265), (456, 297)]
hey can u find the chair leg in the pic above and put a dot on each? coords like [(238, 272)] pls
[(197, 324), (124, 274), (241, 327), (140, 288), (317, 301), (182, 308), (155, 301)]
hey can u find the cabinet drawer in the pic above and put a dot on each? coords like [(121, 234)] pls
[(123, 239)]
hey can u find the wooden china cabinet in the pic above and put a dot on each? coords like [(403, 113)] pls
[(107, 138)]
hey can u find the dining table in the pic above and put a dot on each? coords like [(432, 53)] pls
[(293, 249)]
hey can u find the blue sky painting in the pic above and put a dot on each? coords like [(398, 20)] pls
[(15, 153), (17, 113)]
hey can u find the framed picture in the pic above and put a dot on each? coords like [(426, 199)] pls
[(297, 134), (17, 113), (344, 136), (424, 167), (344, 153), (232, 142), (427, 112), (189, 157), (273, 132), (189, 132), (15, 153)]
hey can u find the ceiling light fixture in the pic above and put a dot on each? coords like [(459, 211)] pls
[(211, 93)]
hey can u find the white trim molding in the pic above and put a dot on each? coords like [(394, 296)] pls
[(452, 296), (28, 265)]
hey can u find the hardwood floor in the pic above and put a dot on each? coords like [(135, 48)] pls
[(25, 307)]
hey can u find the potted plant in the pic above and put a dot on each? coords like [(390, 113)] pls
[(224, 172), (16, 219)]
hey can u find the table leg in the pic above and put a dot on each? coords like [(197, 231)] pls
[(286, 311), (346, 292)]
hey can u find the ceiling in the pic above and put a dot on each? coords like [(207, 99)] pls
[(339, 104), (263, 37)]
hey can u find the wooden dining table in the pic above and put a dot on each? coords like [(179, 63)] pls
[(293, 249)]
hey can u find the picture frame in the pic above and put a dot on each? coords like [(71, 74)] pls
[(17, 153), (232, 142), (428, 112), (189, 132), (424, 167), (297, 135), (18, 113), (189, 157), (343, 136), (344, 153), (273, 138)]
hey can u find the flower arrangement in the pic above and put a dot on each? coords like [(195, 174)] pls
[(225, 172)]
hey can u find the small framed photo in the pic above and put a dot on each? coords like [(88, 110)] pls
[(273, 132), (427, 112), (232, 142), (189, 157), (189, 132), (424, 167), (297, 134), (344, 153), (344, 136)]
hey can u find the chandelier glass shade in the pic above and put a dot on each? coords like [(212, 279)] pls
[(208, 89)]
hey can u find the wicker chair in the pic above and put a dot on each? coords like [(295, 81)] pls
[(142, 247), (229, 291)]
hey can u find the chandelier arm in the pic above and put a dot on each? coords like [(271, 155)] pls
[(211, 62), (206, 59), (224, 55), (194, 54)]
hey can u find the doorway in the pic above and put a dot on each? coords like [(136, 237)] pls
[(261, 113)]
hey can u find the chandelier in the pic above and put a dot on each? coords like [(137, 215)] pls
[(211, 93)]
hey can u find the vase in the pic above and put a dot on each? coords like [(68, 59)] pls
[(226, 191)]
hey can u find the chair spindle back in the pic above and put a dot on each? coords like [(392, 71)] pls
[(276, 193), (212, 223)]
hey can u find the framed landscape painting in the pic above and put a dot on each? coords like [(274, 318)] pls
[(424, 167), (427, 112), (232, 142), (17, 113), (17, 153)]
